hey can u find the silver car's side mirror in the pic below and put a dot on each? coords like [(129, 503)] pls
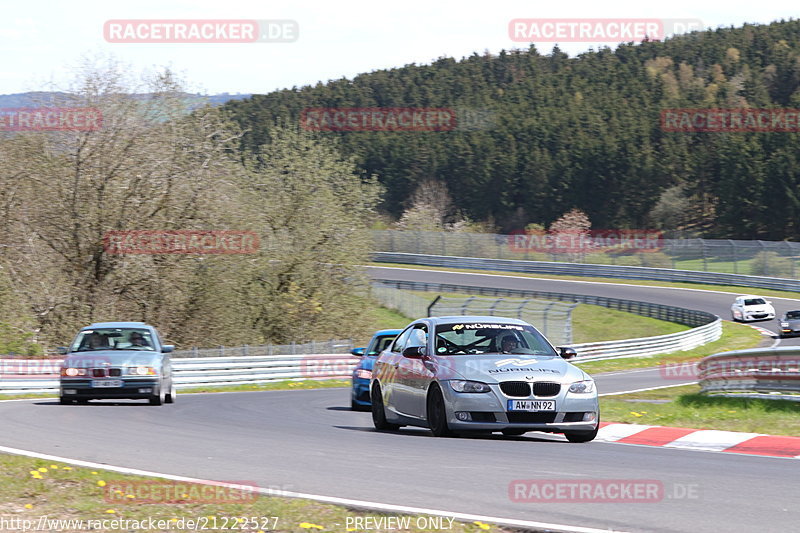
[(566, 352)]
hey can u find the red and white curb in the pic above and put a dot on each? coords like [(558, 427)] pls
[(701, 439), (763, 331)]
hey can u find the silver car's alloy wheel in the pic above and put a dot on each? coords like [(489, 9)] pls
[(437, 414), (170, 397)]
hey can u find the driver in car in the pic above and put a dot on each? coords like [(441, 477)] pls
[(508, 343)]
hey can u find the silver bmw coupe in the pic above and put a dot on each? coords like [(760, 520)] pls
[(481, 374)]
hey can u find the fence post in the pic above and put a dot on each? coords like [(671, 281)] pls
[(222, 351), (735, 257)]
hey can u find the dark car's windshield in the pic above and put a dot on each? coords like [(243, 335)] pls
[(112, 339), (479, 338), (792, 315)]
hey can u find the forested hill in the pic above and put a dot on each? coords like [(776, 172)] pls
[(585, 132)]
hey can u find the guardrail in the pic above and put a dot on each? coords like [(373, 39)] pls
[(706, 327), (590, 270), (20, 376), (758, 372)]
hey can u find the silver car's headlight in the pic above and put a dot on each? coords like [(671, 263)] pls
[(582, 387), (463, 385)]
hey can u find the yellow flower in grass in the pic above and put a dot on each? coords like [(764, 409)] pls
[(42, 469), (54, 467), (110, 511), (67, 468), (481, 525), (130, 496), (101, 483), (635, 414), (36, 475), (28, 506), (34, 472), (308, 525), (94, 473)]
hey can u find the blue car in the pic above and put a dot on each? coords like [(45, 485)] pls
[(359, 399)]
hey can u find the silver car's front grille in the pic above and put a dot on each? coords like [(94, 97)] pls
[(517, 389), (545, 388)]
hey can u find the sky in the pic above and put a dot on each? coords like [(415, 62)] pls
[(43, 41)]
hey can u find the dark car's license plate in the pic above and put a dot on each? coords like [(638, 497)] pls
[(106, 383), (531, 405)]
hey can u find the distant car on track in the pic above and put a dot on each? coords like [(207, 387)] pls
[(362, 373), (117, 360), (747, 308), (790, 324), (481, 374)]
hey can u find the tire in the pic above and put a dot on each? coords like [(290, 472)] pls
[(170, 396), (437, 414), (378, 412), (582, 436), (514, 432), (160, 398), (358, 407), (64, 401)]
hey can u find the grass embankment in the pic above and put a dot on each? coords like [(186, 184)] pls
[(36, 488)]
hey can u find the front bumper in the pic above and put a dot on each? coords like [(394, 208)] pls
[(132, 388), (360, 392), (488, 412), (757, 316)]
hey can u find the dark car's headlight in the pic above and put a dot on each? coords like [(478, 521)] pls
[(363, 373), (142, 371), (582, 387), (463, 385)]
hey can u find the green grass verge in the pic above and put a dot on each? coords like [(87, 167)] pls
[(685, 407), (385, 318), (734, 337), (644, 283), (63, 492), (593, 323)]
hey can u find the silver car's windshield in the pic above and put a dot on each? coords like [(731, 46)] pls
[(792, 315), (478, 338), (112, 339), (754, 301)]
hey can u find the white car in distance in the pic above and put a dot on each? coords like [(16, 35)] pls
[(748, 308)]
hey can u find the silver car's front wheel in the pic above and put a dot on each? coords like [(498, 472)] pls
[(378, 413), (437, 414)]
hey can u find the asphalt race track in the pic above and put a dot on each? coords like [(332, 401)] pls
[(309, 441)]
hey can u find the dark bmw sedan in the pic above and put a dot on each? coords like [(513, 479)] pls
[(117, 360)]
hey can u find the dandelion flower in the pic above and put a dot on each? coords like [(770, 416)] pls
[(101, 483), (28, 506), (110, 511), (54, 467), (307, 525), (67, 468), (481, 525), (42, 469)]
